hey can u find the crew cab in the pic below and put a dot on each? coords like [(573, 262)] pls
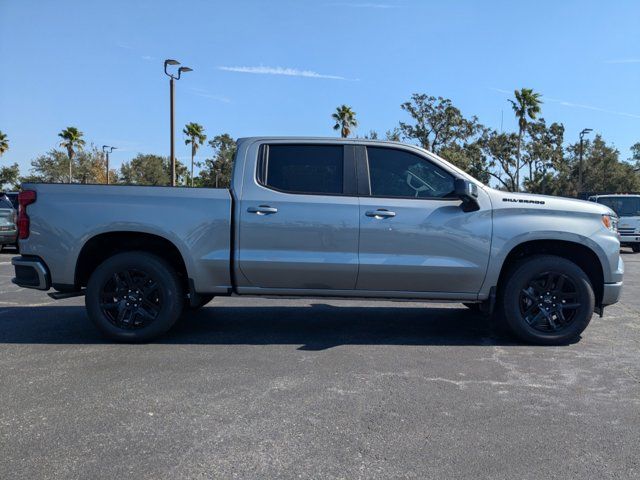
[(315, 217)]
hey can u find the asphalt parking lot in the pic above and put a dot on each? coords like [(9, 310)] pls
[(260, 388)]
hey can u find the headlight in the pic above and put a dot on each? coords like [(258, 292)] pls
[(610, 222)]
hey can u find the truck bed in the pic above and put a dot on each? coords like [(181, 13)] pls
[(196, 220)]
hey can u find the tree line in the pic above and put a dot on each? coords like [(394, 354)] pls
[(79, 163), (535, 158)]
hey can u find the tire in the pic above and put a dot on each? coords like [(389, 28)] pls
[(114, 306), (636, 247), (1, 248), (566, 300), (202, 301)]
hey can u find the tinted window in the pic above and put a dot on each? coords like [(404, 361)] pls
[(396, 173), (14, 199), (5, 203), (623, 206), (305, 168)]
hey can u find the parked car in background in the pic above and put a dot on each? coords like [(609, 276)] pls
[(315, 217), (13, 197), (627, 207), (8, 218)]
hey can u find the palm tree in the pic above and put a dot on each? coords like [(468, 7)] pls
[(196, 137), (4, 143), (526, 106), (71, 140), (345, 119)]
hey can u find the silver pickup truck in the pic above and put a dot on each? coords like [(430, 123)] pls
[(322, 217)]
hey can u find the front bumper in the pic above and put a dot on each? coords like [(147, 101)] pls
[(629, 239), (611, 293), (31, 272)]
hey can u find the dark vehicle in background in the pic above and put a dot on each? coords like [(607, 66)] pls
[(8, 217), (627, 207), (13, 198)]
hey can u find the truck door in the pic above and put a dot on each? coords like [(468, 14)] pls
[(414, 236), (298, 219)]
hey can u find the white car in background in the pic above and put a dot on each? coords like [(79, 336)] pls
[(8, 217), (627, 207)]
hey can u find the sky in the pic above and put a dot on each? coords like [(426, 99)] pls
[(281, 67)]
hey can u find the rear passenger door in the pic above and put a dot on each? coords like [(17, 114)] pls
[(299, 219), (414, 236)]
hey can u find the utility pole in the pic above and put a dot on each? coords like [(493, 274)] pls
[(106, 150), (582, 134), (172, 111)]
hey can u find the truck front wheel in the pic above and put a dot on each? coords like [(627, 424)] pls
[(547, 300), (635, 247), (134, 297)]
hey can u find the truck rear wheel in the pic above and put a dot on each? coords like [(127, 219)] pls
[(134, 297), (547, 300)]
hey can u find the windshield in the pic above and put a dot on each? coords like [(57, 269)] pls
[(623, 206)]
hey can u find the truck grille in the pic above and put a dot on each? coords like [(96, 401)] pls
[(626, 231)]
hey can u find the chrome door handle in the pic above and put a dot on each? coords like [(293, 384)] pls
[(262, 210), (380, 213)]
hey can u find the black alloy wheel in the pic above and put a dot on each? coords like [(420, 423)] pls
[(131, 299), (549, 302), (134, 296), (546, 300)]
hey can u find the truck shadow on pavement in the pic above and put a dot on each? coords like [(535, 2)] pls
[(316, 327)]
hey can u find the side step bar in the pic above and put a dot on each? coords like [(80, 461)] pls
[(63, 295)]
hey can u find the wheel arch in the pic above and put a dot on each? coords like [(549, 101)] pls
[(582, 255), (104, 245)]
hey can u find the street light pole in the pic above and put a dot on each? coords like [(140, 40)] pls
[(582, 134), (106, 150), (172, 111), (172, 104)]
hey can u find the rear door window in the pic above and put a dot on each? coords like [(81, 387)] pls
[(310, 169)]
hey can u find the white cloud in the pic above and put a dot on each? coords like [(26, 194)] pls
[(568, 104), (206, 94), (147, 57), (624, 60), (565, 103), (501, 90), (363, 5), (287, 71)]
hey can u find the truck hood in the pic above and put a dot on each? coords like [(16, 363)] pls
[(502, 200)]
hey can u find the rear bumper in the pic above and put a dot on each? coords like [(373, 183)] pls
[(611, 293), (8, 238), (31, 272)]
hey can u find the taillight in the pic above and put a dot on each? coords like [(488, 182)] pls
[(25, 198)]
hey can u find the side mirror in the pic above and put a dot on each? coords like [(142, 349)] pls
[(467, 192)]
